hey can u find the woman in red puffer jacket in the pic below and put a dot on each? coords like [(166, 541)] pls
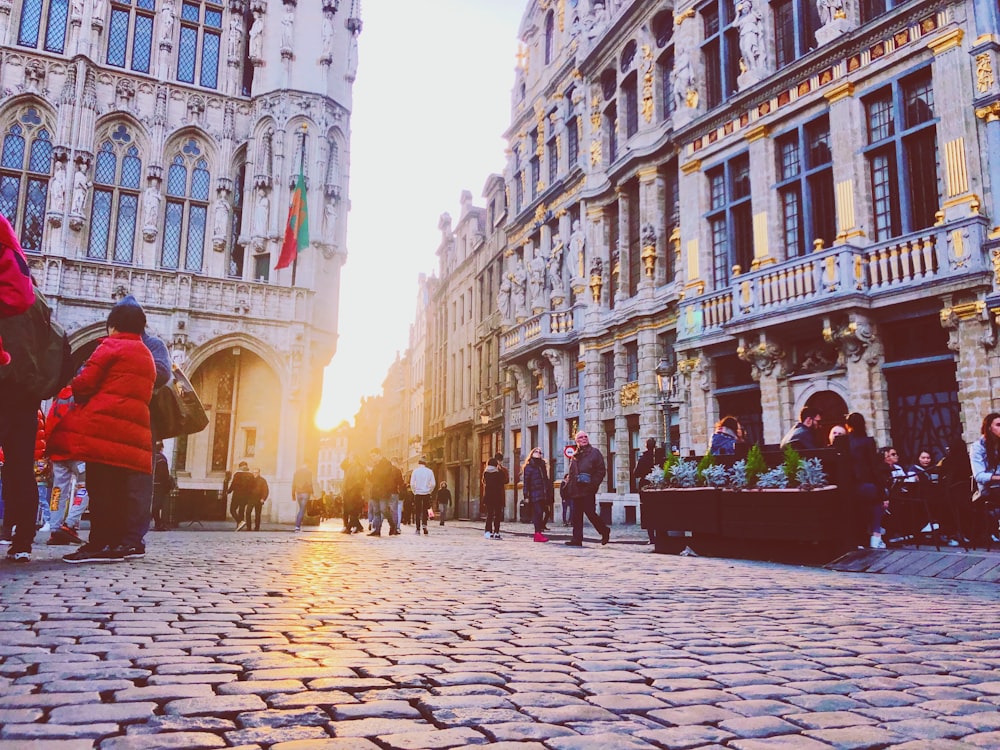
[(109, 430)]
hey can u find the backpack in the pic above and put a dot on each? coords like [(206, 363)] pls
[(55, 365)]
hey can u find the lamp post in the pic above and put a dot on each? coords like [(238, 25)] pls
[(665, 384)]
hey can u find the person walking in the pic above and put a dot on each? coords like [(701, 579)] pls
[(241, 486), (536, 489), (163, 484), (644, 465), (261, 491), (422, 484), (354, 487), (302, 491), (586, 472), (443, 499), (382, 487), (493, 496), (985, 459), (863, 473)]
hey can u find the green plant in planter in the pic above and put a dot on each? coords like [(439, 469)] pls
[(668, 465), (755, 465), (715, 476), (707, 460), (793, 461), (684, 474), (738, 475)]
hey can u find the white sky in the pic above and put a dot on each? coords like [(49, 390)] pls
[(431, 101)]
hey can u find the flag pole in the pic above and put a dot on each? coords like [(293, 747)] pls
[(302, 166)]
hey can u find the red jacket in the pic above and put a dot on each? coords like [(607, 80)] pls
[(40, 437), (60, 407), (110, 422)]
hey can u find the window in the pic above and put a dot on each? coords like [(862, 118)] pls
[(730, 220), (902, 156), (611, 131), (187, 210), (25, 163), (535, 166), (795, 24), (572, 142), (553, 156), (720, 50), (665, 72), (574, 377), (262, 267), (550, 35), (550, 380), (608, 369), (114, 214), (671, 212), (198, 49), (631, 361), (874, 8), (609, 439), (630, 97), (805, 187), (46, 20), (130, 34)]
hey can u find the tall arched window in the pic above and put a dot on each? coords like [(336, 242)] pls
[(186, 214), (198, 50), (130, 34), (114, 215), (46, 19), (25, 165), (550, 37)]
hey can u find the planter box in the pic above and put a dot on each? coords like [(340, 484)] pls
[(693, 509), (790, 515)]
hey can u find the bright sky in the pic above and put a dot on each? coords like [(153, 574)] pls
[(431, 101)]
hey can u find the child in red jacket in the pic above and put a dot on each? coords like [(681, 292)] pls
[(109, 430)]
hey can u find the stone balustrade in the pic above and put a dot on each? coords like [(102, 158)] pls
[(551, 326)]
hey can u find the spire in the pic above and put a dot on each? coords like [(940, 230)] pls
[(354, 18)]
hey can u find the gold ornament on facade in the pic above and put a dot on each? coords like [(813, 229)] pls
[(561, 14), (596, 284), (691, 98), (681, 17), (595, 152), (984, 73), (649, 259), (996, 266), (629, 394), (647, 83), (989, 113)]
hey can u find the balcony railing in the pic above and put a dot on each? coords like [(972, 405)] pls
[(551, 326), (905, 263), (87, 281)]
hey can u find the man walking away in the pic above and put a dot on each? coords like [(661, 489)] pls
[(422, 483), (645, 464), (586, 472), (163, 484), (302, 490), (381, 488), (260, 494), (493, 497), (242, 488)]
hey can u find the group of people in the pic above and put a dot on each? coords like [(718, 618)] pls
[(877, 475), (249, 490)]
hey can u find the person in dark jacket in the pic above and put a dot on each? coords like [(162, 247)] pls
[(242, 487), (163, 484), (645, 464), (586, 472), (726, 437), (536, 489), (443, 499), (109, 430), (863, 471), (493, 497), (806, 434), (261, 491), (383, 485), (302, 492)]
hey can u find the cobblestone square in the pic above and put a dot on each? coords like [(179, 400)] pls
[(322, 640)]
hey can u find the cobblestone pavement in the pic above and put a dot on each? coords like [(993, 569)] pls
[(322, 640)]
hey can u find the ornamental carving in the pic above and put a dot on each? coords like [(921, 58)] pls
[(854, 339), (629, 394), (762, 357)]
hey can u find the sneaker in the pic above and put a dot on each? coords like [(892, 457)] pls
[(876, 542), (5, 541), (87, 553), (688, 552), (497, 536), (374, 533), (243, 524), (18, 557), (298, 529), (487, 535), (44, 527), (571, 543), (416, 530), (541, 538), (605, 536), (135, 553), (425, 531)]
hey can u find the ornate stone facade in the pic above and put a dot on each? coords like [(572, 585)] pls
[(150, 149)]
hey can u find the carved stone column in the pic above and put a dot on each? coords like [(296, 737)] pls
[(767, 366), (695, 414), (860, 353), (845, 142), (652, 220), (972, 337)]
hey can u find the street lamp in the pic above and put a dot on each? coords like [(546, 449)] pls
[(665, 385)]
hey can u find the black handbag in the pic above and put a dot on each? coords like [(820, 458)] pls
[(175, 408)]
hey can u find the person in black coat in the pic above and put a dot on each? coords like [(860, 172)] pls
[(443, 499), (586, 472), (494, 484), (536, 489), (645, 464), (863, 472)]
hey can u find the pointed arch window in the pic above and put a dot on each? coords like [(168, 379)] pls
[(550, 37), (130, 34), (198, 50), (186, 214), (114, 215), (45, 20), (25, 166)]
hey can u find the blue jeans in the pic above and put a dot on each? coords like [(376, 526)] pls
[(396, 507), (44, 513), (302, 498)]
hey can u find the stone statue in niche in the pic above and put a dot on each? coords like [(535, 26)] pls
[(577, 247), (330, 218), (833, 20), (536, 279), (220, 225), (504, 299), (288, 27), (167, 22), (555, 268), (518, 290), (261, 213), (327, 50), (257, 38), (81, 185), (235, 36), (750, 23), (57, 189)]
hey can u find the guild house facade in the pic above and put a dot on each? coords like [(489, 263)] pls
[(765, 204), (150, 147)]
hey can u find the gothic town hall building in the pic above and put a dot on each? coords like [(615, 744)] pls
[(150, 147)]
